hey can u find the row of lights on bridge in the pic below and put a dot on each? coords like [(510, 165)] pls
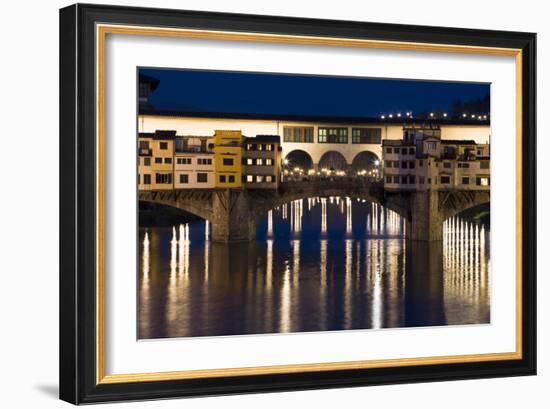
[(432, 115)]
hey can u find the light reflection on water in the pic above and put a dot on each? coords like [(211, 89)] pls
[(317, 264)]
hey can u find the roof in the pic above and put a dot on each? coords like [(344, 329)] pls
[(147, 110), (162, 134), (153, 82), (458, 142), (264, 138)]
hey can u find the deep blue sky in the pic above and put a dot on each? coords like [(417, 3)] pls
[(258, 93)]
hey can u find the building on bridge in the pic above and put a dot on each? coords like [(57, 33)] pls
[(228, 157), (344, 144), (194, 163), (156, 157), (263, 163), (422, 160)]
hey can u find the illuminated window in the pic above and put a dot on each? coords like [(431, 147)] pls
[(259, 161), (259, 178), (269, 178), (269, 162), (482, 181), (250, 161), (250, 178)]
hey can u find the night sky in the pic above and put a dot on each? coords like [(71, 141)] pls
[(258, 93)]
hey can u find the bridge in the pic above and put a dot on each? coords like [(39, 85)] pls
[(233, 212)]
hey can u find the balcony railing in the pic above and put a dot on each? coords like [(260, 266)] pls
[(145, 152)]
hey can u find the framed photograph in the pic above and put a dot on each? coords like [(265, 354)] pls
[(257, 203)]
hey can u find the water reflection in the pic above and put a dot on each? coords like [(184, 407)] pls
[(318, 264)]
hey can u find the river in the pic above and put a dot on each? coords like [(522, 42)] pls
[(319, 264)]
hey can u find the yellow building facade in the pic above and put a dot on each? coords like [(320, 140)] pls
[(228, 154)]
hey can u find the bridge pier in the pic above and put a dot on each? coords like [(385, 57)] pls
[(231, 218), (426, 222)]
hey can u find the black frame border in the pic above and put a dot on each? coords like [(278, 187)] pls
[(78, 197)]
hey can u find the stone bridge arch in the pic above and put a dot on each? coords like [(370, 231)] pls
[(196, 202), (290, 191), (456, 201)]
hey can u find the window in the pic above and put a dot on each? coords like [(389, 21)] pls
[(269, 178), (463, 165), (158, 160), (447, 164), (333, 135), (465, 180), (396, 164), (421, 180), (228, 161), (139, 179), (411, 164), (202, 177), (143, 144), (146, 179), (231, 179), (411, 151), (183, 161), (204, 161), (420, 163), (163, 178), (250, 178), (366, 135), (269, 162), (297, 134), (445, 180), (432, 146), (250, 147), (259, 161), (412, 179), (482, 181), (146, 161), (184, 178), (222, 178), (250, 161), (389, 150), (404, 179), (168, 161), (269, 147), (163, 145), (484, 164), (259, 178), (403, 151), (260, 147), (388, 163), (388, 179), (404, 164), (396, 179)]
